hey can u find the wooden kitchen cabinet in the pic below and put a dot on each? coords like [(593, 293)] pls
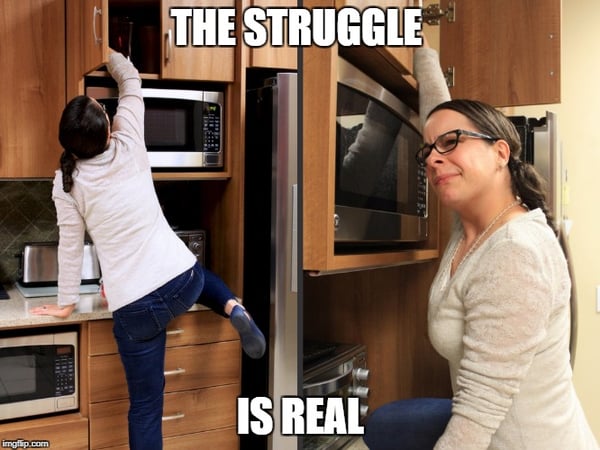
[(394, 59), (32, 88), (268, 56), (504, 53), (203, 376), (88, 37), (194, 63), (65, 431)]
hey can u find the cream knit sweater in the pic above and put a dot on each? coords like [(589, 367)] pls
[(113, 197), (502, 322)]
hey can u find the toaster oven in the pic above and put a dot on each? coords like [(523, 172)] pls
[(39, 264), (196, 242)]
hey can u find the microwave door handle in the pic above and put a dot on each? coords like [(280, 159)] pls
[(328, 386)]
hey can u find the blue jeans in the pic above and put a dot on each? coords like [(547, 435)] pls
[(412, 424), (140, 331)]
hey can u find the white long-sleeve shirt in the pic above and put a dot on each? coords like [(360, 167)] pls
[(113, 197), (502, 322)]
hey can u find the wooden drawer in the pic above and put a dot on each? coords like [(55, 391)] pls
[(189, 367), (65, 431), (224, 439), (184, 413), (190, 328)]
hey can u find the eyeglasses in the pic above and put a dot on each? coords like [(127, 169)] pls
[(447, 142)]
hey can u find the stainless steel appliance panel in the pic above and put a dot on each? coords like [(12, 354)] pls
[(38, 373), (270, 248), (381, 191), (184, 128), (338, 370)]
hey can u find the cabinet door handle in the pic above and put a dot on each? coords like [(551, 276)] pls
[(169, 45), (178, 371), (97, 12), (177, 415), (174, 332)]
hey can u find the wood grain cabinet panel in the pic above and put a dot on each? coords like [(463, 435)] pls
[(188, 367), (202, 373), (282, 57), (32, 87), (185, 413), (221, 439), (65, 431), (200, 327), (504, 53)]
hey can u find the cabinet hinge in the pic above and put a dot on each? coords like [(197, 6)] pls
[(449, 76), (433, 13)]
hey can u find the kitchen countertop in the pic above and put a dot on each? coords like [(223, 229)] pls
[(14, 312)]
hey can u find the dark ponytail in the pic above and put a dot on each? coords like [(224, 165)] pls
[(529, 186), (83, 133), (67, 166), (526, 182)]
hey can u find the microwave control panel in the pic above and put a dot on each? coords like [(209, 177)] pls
[(421, 191), (64, 371), (211, 123)]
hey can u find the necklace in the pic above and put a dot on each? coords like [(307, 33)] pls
[(475, 244)]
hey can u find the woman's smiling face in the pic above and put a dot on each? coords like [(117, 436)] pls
[(465, 172)]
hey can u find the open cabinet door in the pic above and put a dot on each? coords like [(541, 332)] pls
[(505, 53)]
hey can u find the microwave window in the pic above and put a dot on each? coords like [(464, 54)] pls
[(375, 168), (17, 377), (166, 127)]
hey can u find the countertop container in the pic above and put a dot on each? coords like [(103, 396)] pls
[(39, 264)]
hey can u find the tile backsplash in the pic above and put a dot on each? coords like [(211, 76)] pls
[(27, 214)]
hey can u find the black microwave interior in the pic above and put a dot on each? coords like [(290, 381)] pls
[(375, 166)]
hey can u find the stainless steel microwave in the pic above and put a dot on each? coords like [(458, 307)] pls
[(38, 374), (381, 190), (183, 127)]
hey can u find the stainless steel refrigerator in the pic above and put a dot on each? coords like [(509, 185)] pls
[(271, 245)]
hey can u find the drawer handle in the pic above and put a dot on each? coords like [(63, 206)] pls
[(177, 371), (175, 331), (177, 415)]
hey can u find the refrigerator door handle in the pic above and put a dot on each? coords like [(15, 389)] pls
[(294, 277)]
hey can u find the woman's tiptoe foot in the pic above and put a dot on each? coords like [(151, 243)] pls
[(253, 341)]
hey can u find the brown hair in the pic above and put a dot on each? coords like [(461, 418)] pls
[(82, 132), (526, 182)]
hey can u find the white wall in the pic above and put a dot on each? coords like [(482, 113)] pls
[(579, 133)]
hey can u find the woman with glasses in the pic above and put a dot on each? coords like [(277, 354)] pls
[(105, 187), (499, 306)]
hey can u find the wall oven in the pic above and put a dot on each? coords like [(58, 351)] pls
[(335, 370), (380, 189), (38, 373), (183, 127)]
